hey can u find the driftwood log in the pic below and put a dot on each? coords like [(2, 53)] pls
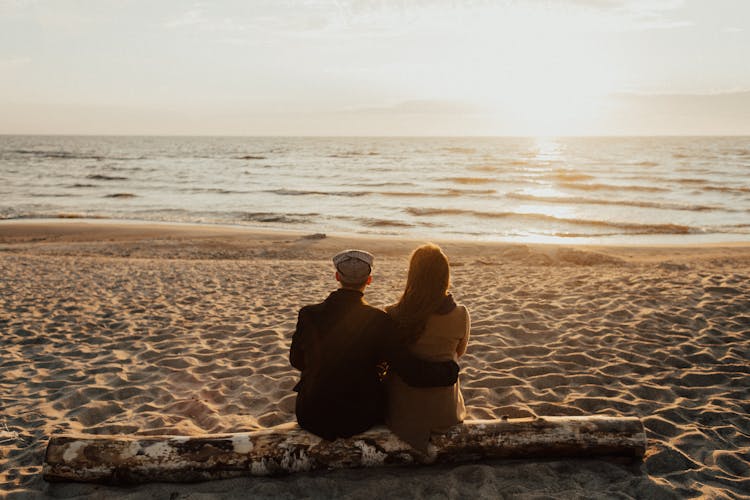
[(286, 449)]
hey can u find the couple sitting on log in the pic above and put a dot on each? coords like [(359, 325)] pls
[(362, 366)]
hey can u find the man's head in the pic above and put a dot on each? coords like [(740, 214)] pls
[(353, 268)]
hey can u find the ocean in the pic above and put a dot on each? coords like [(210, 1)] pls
[(653, 190)]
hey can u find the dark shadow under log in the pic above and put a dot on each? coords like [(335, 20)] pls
[(287, 449)]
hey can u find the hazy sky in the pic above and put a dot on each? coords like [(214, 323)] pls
[(407, 67)]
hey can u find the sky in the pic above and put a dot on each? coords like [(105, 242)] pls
[(375, 67)]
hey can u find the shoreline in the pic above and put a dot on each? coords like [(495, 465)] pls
[(85, 229), (641, 240)]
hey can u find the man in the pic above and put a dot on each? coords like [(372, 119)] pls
[(339, 345)]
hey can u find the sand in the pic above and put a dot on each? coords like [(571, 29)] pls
[(153, 329)]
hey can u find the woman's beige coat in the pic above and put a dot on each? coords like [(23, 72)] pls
[(412, 412)]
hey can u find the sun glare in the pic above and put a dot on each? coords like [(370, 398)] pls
[(541, 100), (553, 81)]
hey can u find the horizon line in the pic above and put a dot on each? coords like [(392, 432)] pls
[(445, 136)]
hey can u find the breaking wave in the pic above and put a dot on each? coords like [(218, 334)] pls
[(469, 180), (628, 203), (629, 227), (275, 217), (57, 155), (613, 187), (102, 177), (384, 223), (302, 192)]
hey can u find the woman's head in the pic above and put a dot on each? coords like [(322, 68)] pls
[(426, 285), (429, 274)]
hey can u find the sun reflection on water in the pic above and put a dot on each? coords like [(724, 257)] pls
[(548, 150), (548, 160)]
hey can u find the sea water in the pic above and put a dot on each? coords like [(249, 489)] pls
[(576, 190)]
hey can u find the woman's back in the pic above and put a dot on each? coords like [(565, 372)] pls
[(413, 413), (443, 335)]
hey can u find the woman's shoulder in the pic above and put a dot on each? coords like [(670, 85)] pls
[(458, 314), (461, 310)]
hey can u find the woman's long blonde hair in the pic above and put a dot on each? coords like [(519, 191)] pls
[(426, 286)]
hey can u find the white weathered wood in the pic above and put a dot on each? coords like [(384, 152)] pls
[(286, 449)]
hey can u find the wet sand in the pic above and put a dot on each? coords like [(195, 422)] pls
[(153, 329)]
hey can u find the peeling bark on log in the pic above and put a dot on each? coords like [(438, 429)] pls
[(287, 449)]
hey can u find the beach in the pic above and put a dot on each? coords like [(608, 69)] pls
[(154, 329)]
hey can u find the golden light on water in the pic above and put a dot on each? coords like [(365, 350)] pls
[(548, 149), (547, 160)]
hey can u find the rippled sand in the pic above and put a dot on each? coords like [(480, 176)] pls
[(183, 330)]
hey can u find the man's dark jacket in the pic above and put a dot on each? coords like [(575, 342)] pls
[(337, 346)]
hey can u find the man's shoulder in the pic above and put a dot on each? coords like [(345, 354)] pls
[(312, 307), (364, 310), (377, 312), (311, 310)]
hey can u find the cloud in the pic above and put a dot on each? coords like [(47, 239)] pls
[(629, 5), (200, 18), (8, 6), (241, 23), (726, 113), (421, 107), (192, 17), (654, 14), (716, 113), (637, 14), (14, 62)]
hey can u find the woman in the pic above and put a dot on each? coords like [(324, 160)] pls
[(434, 328)]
